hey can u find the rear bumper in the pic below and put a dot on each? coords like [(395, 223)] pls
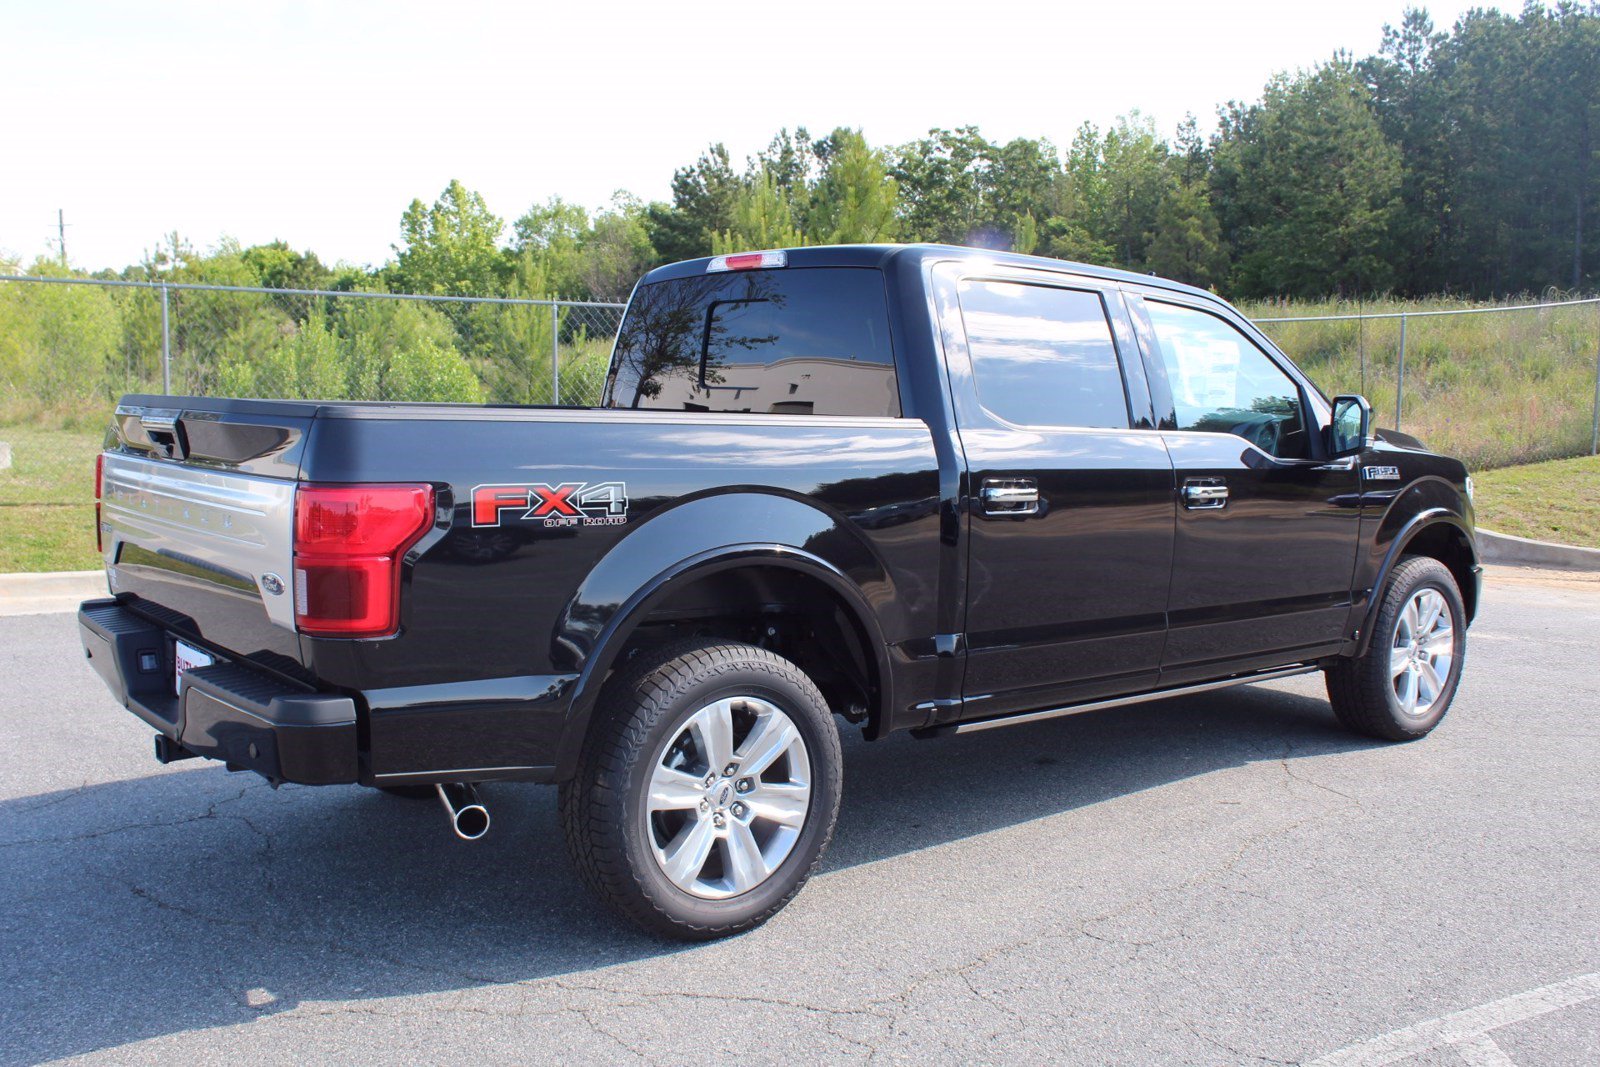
[(230, 711)]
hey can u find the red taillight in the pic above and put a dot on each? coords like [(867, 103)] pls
[(348, 543), (748, 261), (99, 482)]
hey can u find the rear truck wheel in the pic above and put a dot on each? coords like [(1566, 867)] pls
[(706, 790), (1402, 686)]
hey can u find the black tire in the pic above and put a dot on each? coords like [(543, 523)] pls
[(643, 709), (1362, 690), (409, 792)]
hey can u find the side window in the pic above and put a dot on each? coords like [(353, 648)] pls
[(1043, 356), (1222, 383)]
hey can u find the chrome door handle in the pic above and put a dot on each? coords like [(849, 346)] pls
[(1202, 497), (1012, 499)]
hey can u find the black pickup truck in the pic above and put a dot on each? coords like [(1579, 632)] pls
[(918, 488)]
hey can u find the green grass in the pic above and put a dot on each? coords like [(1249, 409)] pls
[(49, 466), (47, 537), (1555, 501), (47, 500), (1495, 389)]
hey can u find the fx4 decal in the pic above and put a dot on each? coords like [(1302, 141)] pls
[(567, 504)]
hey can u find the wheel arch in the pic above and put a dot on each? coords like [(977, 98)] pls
[(820, 565), (1437, 532)]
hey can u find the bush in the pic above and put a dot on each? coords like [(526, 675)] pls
[(431, 372), (57, 342), (307, 364)]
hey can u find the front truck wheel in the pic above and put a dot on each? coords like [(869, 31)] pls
[(706, 790), (1401, 687)]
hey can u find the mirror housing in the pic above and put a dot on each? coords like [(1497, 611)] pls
[(1351, 426)]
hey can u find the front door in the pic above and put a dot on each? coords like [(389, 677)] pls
[(1070, 507), (1267, 528)]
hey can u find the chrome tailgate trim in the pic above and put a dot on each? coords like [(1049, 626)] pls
[(235, 523)]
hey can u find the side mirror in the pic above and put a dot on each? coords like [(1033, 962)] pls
[(1352, 425)]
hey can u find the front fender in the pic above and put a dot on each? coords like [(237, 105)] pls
[(692, 540), (1424, 503)]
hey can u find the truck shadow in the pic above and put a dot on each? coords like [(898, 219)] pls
[(193, 898)]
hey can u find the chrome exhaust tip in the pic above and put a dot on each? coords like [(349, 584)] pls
[(468, 817)]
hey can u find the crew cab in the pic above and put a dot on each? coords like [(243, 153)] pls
[(918, 488)]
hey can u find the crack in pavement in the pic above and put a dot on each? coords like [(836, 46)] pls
[(69, 839), (1215, 1043)]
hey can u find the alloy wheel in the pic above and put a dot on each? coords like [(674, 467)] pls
[(1422, 652), (728, 797)]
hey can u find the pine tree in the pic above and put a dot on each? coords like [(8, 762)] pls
[(760, 218), (854, 200)]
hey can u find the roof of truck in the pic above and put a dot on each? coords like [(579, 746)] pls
[(878, 255)]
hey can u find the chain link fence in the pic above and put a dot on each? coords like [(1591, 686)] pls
[(1493, 385), (69, 347), (70, 342)]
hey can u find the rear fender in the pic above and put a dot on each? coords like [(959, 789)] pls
[(690, 542)]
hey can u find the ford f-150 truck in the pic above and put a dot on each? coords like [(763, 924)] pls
[(915, 488)]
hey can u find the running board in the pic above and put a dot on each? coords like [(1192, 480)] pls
[(1116, 702)]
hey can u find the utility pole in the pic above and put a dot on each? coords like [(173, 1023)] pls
[(61, 232)]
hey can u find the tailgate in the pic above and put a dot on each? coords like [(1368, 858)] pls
[(197, 513)]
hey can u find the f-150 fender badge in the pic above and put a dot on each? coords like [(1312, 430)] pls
[(566, 504), (1381, 474)]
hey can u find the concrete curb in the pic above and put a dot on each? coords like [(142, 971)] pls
[(1524, 552), (38, 594)]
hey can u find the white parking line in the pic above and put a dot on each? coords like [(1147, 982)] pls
[(1466, 1031), (1481, 1051)]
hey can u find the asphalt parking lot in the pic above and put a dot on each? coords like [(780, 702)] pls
[(1217, 879)]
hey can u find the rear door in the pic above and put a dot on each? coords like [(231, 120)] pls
[(1069, 491), (1267, 527)]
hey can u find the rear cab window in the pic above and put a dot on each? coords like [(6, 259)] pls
[(790, 341)]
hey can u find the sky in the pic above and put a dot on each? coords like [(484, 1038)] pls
[(317, 123)]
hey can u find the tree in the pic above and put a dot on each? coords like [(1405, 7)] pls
[(58, 343), (432, 372), (793, 161), (452, 247), (943, 179), (511, 343), (1191, 157), (1074, 231), (854, 200), (1025, 179), (616, 251), (549, 226), (307, 363), (703, 196), (1132, 181), (1408, 98), (761, 218), (277, 266), (1310, 185), (553, 235), (1187, 245)]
